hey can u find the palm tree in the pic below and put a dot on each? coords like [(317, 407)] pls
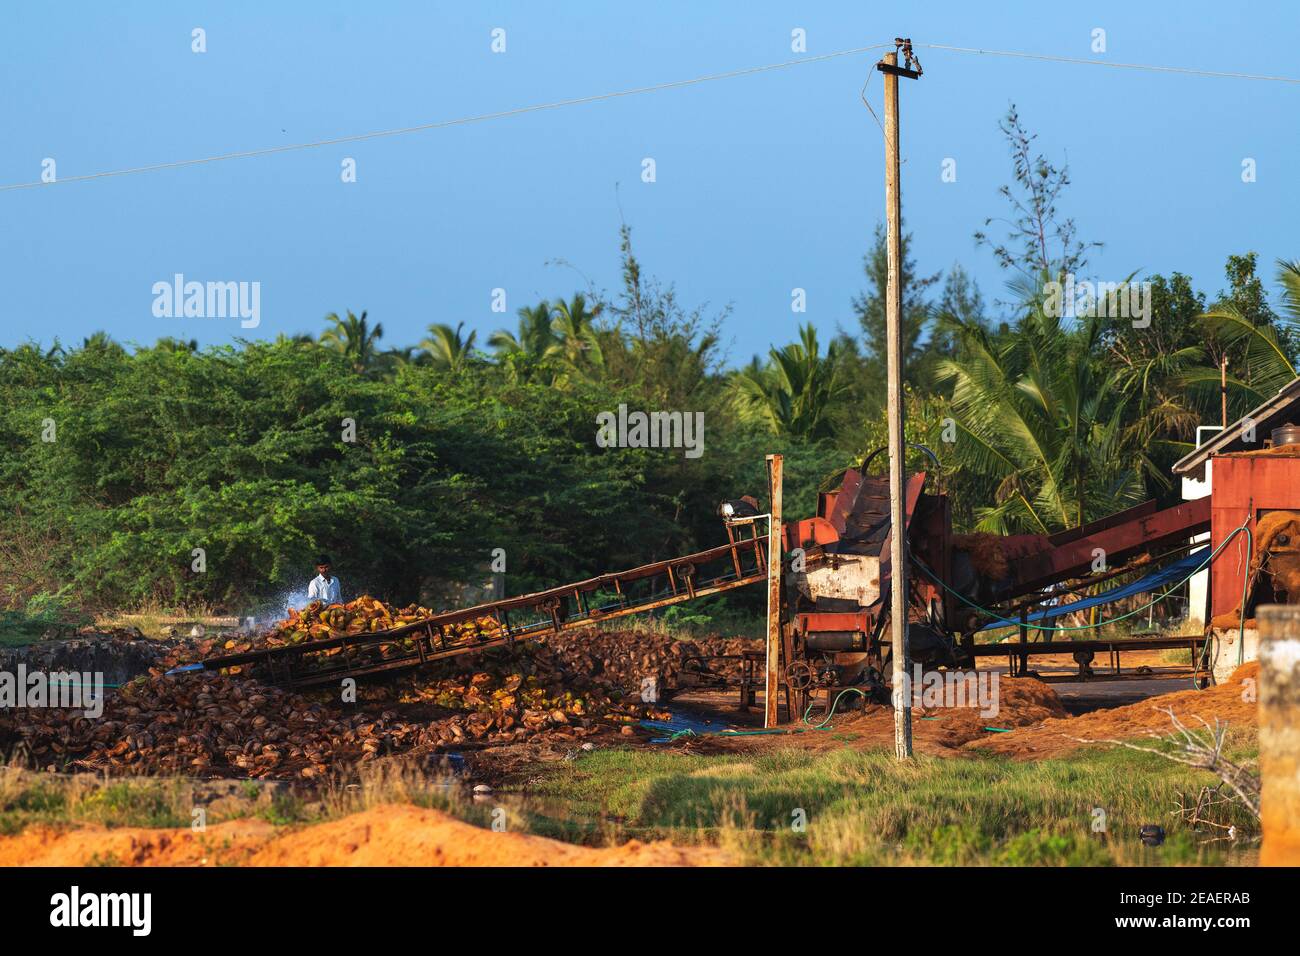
[(354, 339), (100, 341), (577, 342), (299, 340), (1038, 414), (795, 394), (447, 348), (535, 336), (390, 360), (170, 344), (1268, 350)]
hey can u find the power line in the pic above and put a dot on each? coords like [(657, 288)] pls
[(462, 121), (674, 84), (1121, 66)]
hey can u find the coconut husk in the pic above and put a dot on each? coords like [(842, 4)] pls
[(987, 556), (566, 688), (1232, 701), (1277, 451), (1276, 554)]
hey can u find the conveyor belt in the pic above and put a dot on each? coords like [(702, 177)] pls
[(740, 562)]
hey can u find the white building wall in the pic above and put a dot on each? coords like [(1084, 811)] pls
[(1194, 488)]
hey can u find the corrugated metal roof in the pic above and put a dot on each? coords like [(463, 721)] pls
[(1278, 410)]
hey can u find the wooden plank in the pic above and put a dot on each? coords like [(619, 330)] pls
[(1279, 738)]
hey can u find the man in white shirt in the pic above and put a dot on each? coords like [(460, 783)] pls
[(324, 587)]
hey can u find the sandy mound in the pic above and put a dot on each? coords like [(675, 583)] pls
[(1022, 701), (1232, 701), (395, 835), (410, 836), (221, 845)]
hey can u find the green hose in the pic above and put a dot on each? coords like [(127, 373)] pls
[(831, 710)]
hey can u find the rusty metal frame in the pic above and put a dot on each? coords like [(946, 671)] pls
[(563, 608)]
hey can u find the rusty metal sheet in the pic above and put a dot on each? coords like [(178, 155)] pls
[(818, 621), (1118, 543)]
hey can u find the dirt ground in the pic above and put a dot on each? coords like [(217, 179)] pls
[(1032, 723), (1035, 719), (1232, 701), (394, 835)]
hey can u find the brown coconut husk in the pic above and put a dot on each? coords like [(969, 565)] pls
[(1281, 562), (986, 554), (1233, 701)]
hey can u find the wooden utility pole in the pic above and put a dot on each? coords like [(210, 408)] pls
[(1279, 734), (773, 679), (1223, 390), (894, 356)]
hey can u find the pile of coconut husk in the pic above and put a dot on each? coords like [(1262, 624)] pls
[(1276, 554), (562, 688), (621, 660), (211, 724), (616, 660), (991, 554), (318, 622), (206, 725), (986, 554), (570, 687), (366, 614), (1232, 702)]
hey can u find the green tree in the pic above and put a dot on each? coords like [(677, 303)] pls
[(576, 342), (535, 337), (354, 339), (870, 308), (448, 349), (1038, 238), (664, 350), (1036, 413), (1260, 345), (796, 393)]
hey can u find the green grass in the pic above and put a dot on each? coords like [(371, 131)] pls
[(859, 807), (27, 798), (866, 808), (40, 614)]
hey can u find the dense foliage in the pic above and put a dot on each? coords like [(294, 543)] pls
[(170, 474)]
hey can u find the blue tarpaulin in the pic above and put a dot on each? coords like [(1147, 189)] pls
[(1169, 574)]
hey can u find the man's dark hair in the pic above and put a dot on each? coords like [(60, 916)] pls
[(323, 559)]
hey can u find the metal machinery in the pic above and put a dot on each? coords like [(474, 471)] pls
[(835, 579), (840, 577)]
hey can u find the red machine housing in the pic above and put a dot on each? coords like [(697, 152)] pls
[(1246, 486)]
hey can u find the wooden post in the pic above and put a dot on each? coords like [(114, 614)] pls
[(897, 450), (1223, 390), (773, 680), (1024, 642), (1279, 734)]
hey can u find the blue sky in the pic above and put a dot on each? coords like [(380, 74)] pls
[(764, 183)]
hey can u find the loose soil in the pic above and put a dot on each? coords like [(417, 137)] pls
[(1232, 702), (1032, 722), (939, 731)]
